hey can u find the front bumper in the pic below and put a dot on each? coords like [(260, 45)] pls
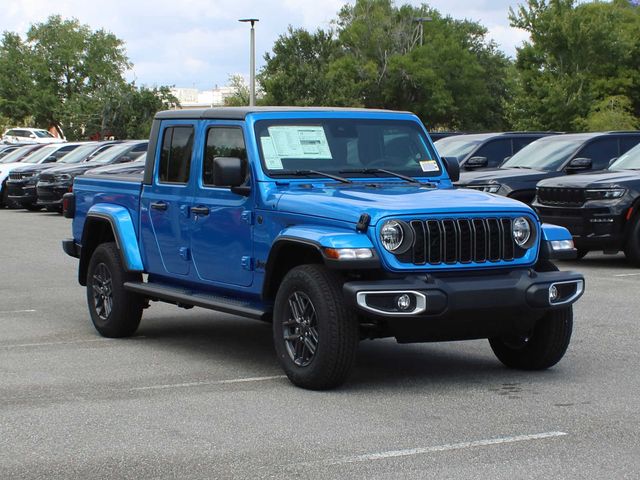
[(21, 192), (592, 228), (50, 194), (479, 305)]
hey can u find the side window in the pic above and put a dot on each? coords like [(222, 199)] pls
[(175, 158), (628, 142), (600, 152), (139, 148), (222, 142), (520, 143), (495, 151)]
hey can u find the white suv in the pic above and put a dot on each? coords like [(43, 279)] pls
[(29, 135)]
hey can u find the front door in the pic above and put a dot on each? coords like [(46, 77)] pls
[(221, 235), (165, 221)]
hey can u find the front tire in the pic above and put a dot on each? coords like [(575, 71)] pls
[(315, 334), (542, 348), (632, 244), (114, 311)]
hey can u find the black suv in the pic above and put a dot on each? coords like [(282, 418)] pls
[(550, 157), (485, 150), (55, 182), (600, 209)]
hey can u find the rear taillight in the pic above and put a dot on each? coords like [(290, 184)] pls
[(69, 205)]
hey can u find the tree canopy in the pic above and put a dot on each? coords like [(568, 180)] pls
[(63, 75), (578, 56), (374, 56)]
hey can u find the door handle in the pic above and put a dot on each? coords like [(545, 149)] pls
[(200, 210), (159, 206)]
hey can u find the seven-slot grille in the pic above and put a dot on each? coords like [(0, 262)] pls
[(19, 175), (461, 240), (570, 197)]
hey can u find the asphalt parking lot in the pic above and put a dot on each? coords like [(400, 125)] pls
[(198, 394)]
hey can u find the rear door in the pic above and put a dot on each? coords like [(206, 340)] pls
[(221, 235), (165, 203)]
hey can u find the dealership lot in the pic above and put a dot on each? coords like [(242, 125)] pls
[(198, 394)]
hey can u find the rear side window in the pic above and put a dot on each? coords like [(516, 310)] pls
[(495, 151), (600, 152), (628, 142), (222, 142), (175, 158)]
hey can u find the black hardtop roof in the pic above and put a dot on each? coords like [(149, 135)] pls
[(239, 113)]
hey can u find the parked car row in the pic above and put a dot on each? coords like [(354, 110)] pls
[(37, 176), (588, 183)]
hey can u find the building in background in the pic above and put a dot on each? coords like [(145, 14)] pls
[(194, 98)]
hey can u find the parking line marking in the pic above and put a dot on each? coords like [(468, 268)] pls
[(68, 342), (444, 448), (17, 311), (626, 274), (214, 382)]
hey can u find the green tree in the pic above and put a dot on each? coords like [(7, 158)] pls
[(612, 113), (241, 92), (451, 75), (72, 78), (578, 55)]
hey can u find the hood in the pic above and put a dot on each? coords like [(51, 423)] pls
[(348, 202), (601, 179), (74, 168), (500, 175), (33, 168)]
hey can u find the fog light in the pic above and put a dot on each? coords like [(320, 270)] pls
[(553, 293), (403, 302)]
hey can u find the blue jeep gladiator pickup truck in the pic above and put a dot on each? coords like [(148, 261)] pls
[(336, 225)]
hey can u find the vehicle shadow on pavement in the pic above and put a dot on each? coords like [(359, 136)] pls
[(245, 347), (618, 261)]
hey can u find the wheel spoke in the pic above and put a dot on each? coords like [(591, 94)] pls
[(310, 344)]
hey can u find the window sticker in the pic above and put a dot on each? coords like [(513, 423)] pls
[(271, 158), (300, 141), (429, 166)]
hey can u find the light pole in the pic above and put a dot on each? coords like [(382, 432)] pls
[(252, 67), (420, 21)]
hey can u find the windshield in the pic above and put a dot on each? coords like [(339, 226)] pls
[(548, 154), (455, 147), (349, 146), (43, 134), (628, 161), (41, 154), (14, 156), (78, 154), (109, 154)]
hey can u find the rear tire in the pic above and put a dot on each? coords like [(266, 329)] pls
[(115, 312), (32, 207), (315, 334), (543, 348)]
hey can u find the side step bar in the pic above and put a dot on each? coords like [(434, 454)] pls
[(186, 297)]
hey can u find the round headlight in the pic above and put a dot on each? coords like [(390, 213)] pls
[(391, 235), (521, 231)]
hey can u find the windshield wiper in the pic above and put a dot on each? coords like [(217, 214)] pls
[(382, 170), (303, 173), (518, 166)]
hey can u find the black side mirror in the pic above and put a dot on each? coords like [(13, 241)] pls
[(612, 161), (476, 162), (228, 172), (51, 159), (124, 159), (579, 165), (453, 168)]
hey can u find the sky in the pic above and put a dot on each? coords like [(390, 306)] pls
[(199, 43)]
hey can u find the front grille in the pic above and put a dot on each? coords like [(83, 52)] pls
[(19, 175), (461, 240), (570, 197)]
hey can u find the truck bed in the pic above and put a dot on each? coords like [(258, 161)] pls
[(123, 190)]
